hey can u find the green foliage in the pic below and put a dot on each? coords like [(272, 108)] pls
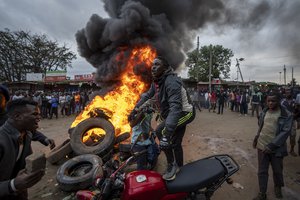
[(293, 82), (22, 52), (198, 62)]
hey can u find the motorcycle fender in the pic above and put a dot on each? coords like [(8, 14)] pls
[(144, 185)]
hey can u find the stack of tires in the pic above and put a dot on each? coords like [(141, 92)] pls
[(81, 171)]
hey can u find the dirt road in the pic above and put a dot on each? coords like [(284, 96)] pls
[(207, 135)]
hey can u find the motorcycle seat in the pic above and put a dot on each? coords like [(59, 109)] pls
[(196, 175)]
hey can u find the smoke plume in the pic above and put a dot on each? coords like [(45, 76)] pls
[(168, 26)]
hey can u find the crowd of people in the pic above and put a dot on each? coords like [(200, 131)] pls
[(241, 101), (277, 111), (278, 114), (53, 104)]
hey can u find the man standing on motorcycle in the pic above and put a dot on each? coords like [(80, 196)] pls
[(275, 123), (176, 111)]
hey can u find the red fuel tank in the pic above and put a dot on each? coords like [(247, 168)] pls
[(144, 185)]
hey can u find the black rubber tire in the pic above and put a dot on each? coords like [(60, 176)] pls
[(70, 130), (100, 149), (69, 183), (59, 152), (122, 137)]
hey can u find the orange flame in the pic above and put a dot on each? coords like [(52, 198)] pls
[(118, 103)]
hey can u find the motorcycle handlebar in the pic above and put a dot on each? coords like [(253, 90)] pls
[(137, 154), (134, 156)]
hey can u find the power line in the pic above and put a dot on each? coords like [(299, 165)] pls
[(275, 57), (275, 66)]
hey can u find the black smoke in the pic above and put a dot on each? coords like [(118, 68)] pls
[(169, 26)]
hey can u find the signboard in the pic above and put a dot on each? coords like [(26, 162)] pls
[(34, 77), (53, 76), (216, 81), (56, 73), (84, 77)]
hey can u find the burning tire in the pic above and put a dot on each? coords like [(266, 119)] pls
[(122, 137), (104, 143), (79, 172), (70, 130)]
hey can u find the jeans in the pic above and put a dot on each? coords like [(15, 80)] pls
[(264, 160), (150, 157)]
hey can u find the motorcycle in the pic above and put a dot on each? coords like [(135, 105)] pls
[(195, 180)]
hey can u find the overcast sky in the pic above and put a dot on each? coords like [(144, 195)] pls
[(266, 48)]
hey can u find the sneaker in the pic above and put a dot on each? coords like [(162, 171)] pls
[(171, 172), (278, 192), (261, 196)]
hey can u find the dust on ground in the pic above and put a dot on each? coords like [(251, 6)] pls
[(207, 135)]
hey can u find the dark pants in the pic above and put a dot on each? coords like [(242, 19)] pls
[(176, 138), (145, 159), (63, 109), (44, 111), (54, 111), (197, 105), (264, 160), (232, 102), (237, 106), (220, 107), (255, 107), (141, 161), (244, 108)]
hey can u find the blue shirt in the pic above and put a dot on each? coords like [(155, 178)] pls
[(143, 127), (54, 102)]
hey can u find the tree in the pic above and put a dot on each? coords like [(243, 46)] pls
[(198, 62), (293, 82), (22, 52)]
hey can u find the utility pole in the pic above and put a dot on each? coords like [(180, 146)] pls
[(284, 74), (292, 77), (197, 59), (280, 78), (237, 74), (239, 69), (198, 43), (210, 66)]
